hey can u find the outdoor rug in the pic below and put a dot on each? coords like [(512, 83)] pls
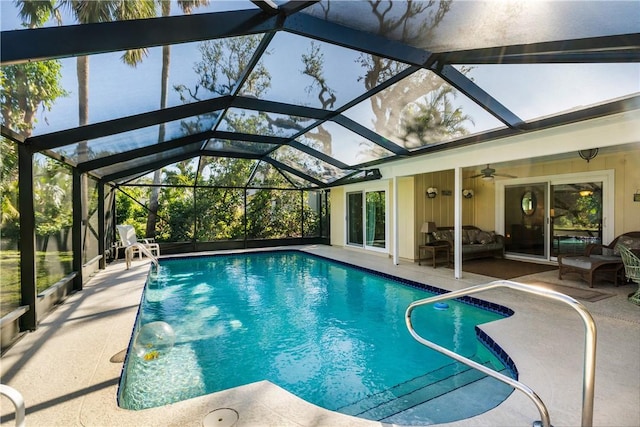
[(584, 294), (504, 268)]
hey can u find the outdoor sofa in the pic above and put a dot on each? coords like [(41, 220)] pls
[(476, 243)]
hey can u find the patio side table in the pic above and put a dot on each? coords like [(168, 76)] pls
[(434, 249)]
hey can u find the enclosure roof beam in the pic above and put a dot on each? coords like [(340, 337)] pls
[(230, 154), (294, 6), (318, 154), (465, 85), (176, 143), (148, 167), (267, 6), (97, 130), (337, 34), (604, 49), (35, 44), (293, 171), (281, 108), (141, 152), (248, 137), (11, 134), (370, 135)]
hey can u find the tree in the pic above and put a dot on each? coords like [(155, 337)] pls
[(88, 12), (52, 200), (187, 7), (418, 110), (24, 88)]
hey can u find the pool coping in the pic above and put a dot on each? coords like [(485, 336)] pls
[(482, 337)]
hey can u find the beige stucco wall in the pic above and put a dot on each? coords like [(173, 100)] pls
[(441, 208), (338, 216), (406, 209)]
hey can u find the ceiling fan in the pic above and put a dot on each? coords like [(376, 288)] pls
[(489, 173)]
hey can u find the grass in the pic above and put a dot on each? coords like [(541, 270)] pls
[(50, 267)]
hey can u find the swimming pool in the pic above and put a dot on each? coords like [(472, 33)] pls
[(330, 333)]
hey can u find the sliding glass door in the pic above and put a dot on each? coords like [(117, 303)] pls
[(561, 214), (576, 217), (355, 219), (525, 219), (366, 219)]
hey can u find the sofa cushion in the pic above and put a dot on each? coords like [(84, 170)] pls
[(478, 248), (485, 238), (473, 235), (582, 262), (606, 257)]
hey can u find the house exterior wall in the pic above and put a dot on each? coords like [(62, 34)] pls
[(626, 167), (544, 153)]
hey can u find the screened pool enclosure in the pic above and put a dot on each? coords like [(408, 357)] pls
[(225, 124)]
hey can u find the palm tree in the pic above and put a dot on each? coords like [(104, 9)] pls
[(187, 7), (88, 12)]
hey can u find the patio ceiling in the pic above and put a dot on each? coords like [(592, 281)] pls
[(319, 93)]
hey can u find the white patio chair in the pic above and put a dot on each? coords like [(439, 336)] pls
[(134, 246)]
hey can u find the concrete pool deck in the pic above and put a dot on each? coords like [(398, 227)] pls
[(68, 370)]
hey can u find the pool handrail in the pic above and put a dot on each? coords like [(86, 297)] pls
[(18, 402), (589, 352), (142, 248)]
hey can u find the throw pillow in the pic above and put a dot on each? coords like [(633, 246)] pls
[(485, 238), (473, 235)]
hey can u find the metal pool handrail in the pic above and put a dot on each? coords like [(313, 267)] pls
[(18, 402), (589, 351)]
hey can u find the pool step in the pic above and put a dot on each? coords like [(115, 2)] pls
[(414, 392)]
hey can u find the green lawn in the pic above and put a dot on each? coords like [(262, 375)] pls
[(50, 267)]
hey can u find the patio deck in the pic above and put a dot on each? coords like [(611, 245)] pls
[(66, 374)]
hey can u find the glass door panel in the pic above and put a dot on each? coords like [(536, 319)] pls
[(525, 219), (576, 217), (376, 224), (354, 219)]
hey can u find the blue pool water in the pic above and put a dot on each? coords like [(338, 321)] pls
[(332, 334)]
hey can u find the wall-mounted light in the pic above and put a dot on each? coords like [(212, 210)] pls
[(432, 192), (588, 154), (467, 194)]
